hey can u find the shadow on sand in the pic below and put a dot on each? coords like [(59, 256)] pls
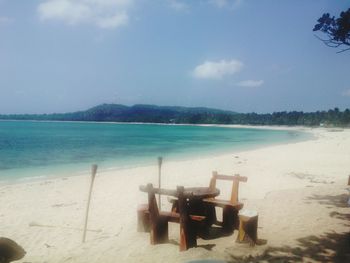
[(331, 200), (329, 247)]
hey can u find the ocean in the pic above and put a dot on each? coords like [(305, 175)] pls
[(30, 149)]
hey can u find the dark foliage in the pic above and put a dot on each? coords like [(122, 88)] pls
[(336, 29), (156, 114)]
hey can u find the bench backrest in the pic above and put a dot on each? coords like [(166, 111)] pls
[(235, 183), (152, 202)]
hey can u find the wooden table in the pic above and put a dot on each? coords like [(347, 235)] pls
[(201, 192), (187, 200), (197, 194)]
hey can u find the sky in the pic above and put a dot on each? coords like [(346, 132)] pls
[(241, 55)]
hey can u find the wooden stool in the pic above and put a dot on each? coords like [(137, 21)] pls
[(143, 220), (248, 227)]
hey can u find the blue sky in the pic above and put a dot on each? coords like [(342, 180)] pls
[(241, 55)]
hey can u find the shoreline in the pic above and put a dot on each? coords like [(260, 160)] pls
[(248, 126)]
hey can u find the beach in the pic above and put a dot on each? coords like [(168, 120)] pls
[(298, 189)]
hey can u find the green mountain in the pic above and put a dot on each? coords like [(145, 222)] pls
[(165, 114), (136, 113)]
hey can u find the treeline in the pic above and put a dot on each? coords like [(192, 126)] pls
[(158, 114), (333, 117)]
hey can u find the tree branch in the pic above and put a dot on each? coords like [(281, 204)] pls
[(343, 50), (332, 43)]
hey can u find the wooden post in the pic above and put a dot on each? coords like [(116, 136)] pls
[(160, 160), (143, 218), (93, 174), (188, 231), (159, 223), (248, 227)]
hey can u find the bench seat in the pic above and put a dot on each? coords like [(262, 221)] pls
[(223, 203)]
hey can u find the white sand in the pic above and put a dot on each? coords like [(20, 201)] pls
[(299, 191)]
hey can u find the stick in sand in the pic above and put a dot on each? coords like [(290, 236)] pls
[(93, 174), (160, 159), (35, 224)]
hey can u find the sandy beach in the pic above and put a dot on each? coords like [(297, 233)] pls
[(299, 190)]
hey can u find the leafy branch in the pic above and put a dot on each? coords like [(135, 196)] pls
[(337, 30)]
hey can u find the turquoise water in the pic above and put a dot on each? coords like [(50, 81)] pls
[(30, 149)]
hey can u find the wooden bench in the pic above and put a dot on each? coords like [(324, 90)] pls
[(143, 223), (158, 220), (230, 207)]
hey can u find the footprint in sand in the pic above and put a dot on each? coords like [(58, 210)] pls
[(63, 205)]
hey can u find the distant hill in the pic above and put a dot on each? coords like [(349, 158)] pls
[(136, 113), (185, 115)]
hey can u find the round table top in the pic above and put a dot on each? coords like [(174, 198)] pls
[(202, 192)]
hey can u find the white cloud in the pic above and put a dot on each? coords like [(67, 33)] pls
[(250, 83), (4, 20), (113, 21), (101, 13), (346, 93), (217, 70), (226, 3), (219, 3), (178, 5)]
